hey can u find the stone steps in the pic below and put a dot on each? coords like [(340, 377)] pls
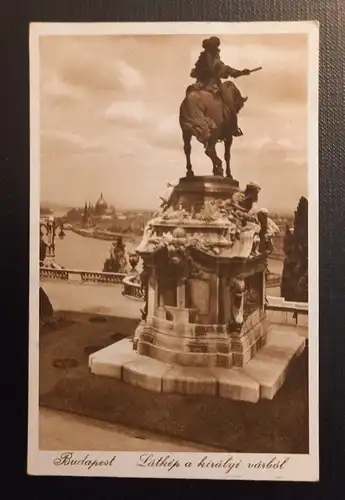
[(260, 378)]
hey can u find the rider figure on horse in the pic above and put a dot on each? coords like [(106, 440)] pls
[(209, 70)]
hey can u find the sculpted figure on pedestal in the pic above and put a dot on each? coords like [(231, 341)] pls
[(237, 289), (248, 199), (267, 231), (166, 197), (209, 70), (178, 255), (144, 278)]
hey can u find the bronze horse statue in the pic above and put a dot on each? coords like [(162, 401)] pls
[(206, 116)]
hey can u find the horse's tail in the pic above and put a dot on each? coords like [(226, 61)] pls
[(194, 120)]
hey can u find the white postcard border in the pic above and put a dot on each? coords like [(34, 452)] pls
[(127, 464)]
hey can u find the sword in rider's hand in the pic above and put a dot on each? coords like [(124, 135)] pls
[(253, 70)]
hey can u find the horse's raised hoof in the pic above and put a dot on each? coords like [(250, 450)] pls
[(238, 132)]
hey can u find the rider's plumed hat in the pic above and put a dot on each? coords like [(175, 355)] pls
[(211, 43)]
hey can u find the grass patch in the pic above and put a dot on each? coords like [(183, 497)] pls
[(277, 426)]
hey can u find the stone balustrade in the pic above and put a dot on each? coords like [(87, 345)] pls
[(81, 276), (284, 312), (273, 280), (54, 274), (101, 277), (279, 310), (132, 289)]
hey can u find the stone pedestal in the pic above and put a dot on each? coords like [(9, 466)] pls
[(192, 193), (204, 320), (200, 251)]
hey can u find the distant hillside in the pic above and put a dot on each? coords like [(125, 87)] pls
[(281, 213), (54, 207), (59, 207), (45, 211)]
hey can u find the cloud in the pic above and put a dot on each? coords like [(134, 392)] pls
[(168, 125), (62, 143), (277, 80), (81, 63), (129, 76), (131, 112), (149, 124), (109, 114), (89, 74), (53, 86)]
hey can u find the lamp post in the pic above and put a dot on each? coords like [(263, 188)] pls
[(133, 260), (48, 232)]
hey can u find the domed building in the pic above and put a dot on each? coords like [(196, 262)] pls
[(101, 206), (100, 215)]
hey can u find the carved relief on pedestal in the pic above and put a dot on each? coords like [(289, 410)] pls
[(248, 326), (203, 256), (246, 297), (237, 289), (178, 257), (252, 296), (144, 278), (183, 282), (256, 245), (267, 231)]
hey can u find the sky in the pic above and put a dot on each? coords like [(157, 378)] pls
[(109, 110)]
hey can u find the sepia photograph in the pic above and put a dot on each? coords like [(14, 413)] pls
[(174, 250)]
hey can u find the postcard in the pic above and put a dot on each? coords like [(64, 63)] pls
[(174, 250)]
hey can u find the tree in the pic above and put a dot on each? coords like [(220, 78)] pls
[(294, 285), (116, 262)]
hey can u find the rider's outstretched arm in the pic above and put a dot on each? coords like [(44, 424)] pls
[(225, 71), (232, 72)]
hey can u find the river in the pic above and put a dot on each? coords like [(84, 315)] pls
[(78, 252)]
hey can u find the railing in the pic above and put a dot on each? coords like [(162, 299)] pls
[(132, 289), (291, 313), (55, 274), (81, 276), (273, 280)]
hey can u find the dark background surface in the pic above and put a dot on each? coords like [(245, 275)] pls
[(15, 16)]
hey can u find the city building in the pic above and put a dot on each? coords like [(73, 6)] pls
[(101, 215)]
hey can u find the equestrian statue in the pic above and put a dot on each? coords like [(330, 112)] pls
[(210, 108)]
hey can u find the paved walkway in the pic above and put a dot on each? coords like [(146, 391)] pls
[(91, 298), (222, 423), (66, 431)]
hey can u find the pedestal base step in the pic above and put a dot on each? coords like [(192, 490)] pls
[(260, 378)]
